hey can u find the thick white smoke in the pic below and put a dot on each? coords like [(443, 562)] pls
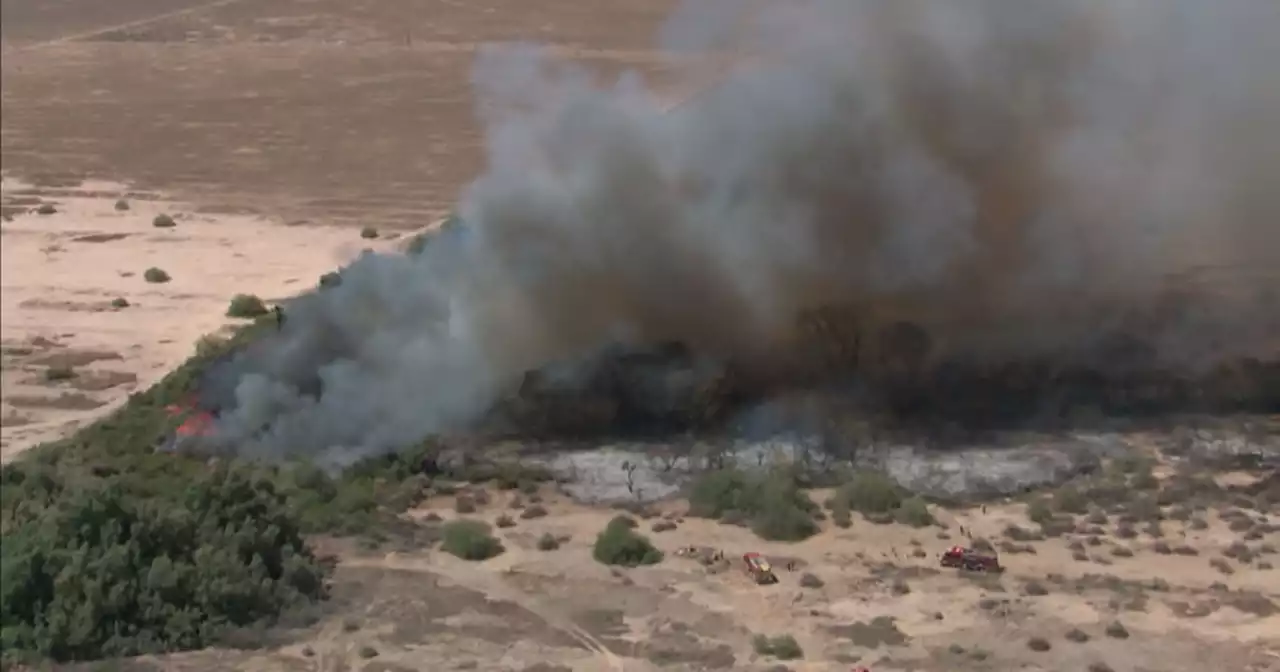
[(1011, 175)]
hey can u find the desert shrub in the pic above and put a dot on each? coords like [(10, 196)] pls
[(1145, 508), (1077, 635), (504, 521), (721, 491), (163, 221), (620, 544), (663, 526), (770, 502), (1017, 533), (914, 512), (1144, 480), (1039, 644), (57, 373), (464, 503), (330, 279), (1116, 630), (624, 521), (246, 306), (1039, 511), (122, 205), (548, 542), (368, 233), (119, 302), (104, 572), (808, 580), (782, 647), (870, 492), (367, 652), (533, 511), (1069, 499), (155, 275), (1131, 464), (1035, 589), (46, 209), (469, 540)]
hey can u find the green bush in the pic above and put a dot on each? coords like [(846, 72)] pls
[(620, 544), (1070, 500), (163, 221), (782, 647), (770, 502), (469, 540), (92, 572), (720, 491), (368, 233), (870, 492), (246, 306), (155, 275), (58, 373), (914, 512), (1039, 512)]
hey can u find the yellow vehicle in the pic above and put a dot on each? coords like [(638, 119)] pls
[(758, 568)]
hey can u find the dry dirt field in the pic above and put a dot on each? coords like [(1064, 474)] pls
[(236, 117), (82, 325), (265, 128), (1097, 598)]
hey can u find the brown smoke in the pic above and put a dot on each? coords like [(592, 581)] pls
[(1015, 179)]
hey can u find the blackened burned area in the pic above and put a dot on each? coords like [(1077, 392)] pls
[(891, 374)]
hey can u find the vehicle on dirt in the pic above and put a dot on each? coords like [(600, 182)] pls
[(968, 559), (759, 569)]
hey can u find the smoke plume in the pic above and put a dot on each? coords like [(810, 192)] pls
[(1017, 178)]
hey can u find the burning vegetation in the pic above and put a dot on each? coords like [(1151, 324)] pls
[(940, 214)]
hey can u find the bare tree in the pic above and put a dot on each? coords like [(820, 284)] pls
[(665, 459), (630, 470)]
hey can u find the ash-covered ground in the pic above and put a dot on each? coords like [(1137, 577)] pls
[(917, 219)]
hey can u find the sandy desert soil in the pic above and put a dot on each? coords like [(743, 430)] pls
[(335, 111), (869, 594), (81, 325)]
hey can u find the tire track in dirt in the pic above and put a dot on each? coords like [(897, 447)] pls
[(487, 585), (136, 23)]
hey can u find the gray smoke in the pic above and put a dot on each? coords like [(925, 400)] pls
[(1014, 176)]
